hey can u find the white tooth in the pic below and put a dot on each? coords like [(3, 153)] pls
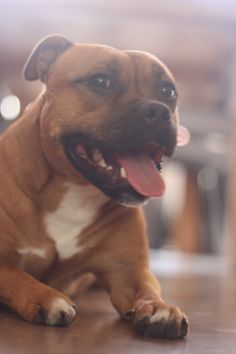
[(102, 163), (109, 167), (97, 156), (123, 172), (81, 151)]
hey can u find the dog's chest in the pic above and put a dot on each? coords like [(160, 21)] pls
[(77, 210)]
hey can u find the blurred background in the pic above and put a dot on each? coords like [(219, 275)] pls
[(193, 224)]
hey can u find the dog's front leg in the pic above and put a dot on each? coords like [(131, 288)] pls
[(122, 267), (33, 300), (135, 293)]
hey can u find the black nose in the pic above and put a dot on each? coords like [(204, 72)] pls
[(155, 113)]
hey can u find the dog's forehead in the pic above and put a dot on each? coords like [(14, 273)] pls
[(81, 59), (140, 58)]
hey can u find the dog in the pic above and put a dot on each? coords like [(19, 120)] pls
[(75, 169)]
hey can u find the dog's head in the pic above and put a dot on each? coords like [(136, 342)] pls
[(111, 113)]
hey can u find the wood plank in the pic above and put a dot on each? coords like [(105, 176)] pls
[(210, 303)]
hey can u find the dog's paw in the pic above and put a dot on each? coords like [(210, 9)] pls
[(59, 313), (45, 305), (161, 321)]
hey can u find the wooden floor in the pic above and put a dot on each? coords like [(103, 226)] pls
[(210, 303)]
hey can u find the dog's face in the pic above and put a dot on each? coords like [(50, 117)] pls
[(112, 114)]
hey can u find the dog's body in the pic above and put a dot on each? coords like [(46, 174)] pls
[(59, 214)]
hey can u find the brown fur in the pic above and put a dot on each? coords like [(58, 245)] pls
[(33, 171)]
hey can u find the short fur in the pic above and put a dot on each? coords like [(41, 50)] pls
[(36, 177)]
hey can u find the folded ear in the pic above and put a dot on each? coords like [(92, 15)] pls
[(43, 56)]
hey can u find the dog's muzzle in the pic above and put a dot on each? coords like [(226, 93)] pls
[(126, 163)]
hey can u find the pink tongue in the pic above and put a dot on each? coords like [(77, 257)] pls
[(183, 136), (142, 174)]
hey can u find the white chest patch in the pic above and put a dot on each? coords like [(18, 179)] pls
[(39, 252), (77, 210)]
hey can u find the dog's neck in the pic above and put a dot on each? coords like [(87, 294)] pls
[(22, 140), (31, 171)]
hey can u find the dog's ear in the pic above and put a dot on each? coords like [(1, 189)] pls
[(43, 56)]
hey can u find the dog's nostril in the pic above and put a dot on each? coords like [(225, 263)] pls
[(151, 113), (156, 114)]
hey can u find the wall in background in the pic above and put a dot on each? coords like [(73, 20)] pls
[(197, 41)]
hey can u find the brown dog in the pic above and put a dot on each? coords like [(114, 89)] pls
[(87, 148)]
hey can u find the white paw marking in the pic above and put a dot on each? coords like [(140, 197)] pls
[(60, 305), (77, 210), (161, 315), (40, 252)]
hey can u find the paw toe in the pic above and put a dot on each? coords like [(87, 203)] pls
[(165, 323), (60, 313), (184, 327), (41, 316)]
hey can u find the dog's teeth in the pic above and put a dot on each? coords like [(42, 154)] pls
[(89, 154), (97, 156), (116, 173), (109, 167), (81, 151), (102, 163), (123, 172)]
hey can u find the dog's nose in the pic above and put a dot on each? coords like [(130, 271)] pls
[(154, 113)]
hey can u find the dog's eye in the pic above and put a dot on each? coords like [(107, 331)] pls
[(100, 81), (168, 89)]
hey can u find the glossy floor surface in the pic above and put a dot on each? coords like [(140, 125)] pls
[(209, 301)]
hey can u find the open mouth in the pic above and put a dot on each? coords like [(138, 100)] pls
[(128, 177)]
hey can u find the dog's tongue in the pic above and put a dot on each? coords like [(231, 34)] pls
[(142, 173)]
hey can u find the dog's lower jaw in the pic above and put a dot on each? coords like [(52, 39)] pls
[(129, 200), (124, 195), (107, 177)]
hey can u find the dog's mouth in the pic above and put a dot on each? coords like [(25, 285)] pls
[(128, 177)]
